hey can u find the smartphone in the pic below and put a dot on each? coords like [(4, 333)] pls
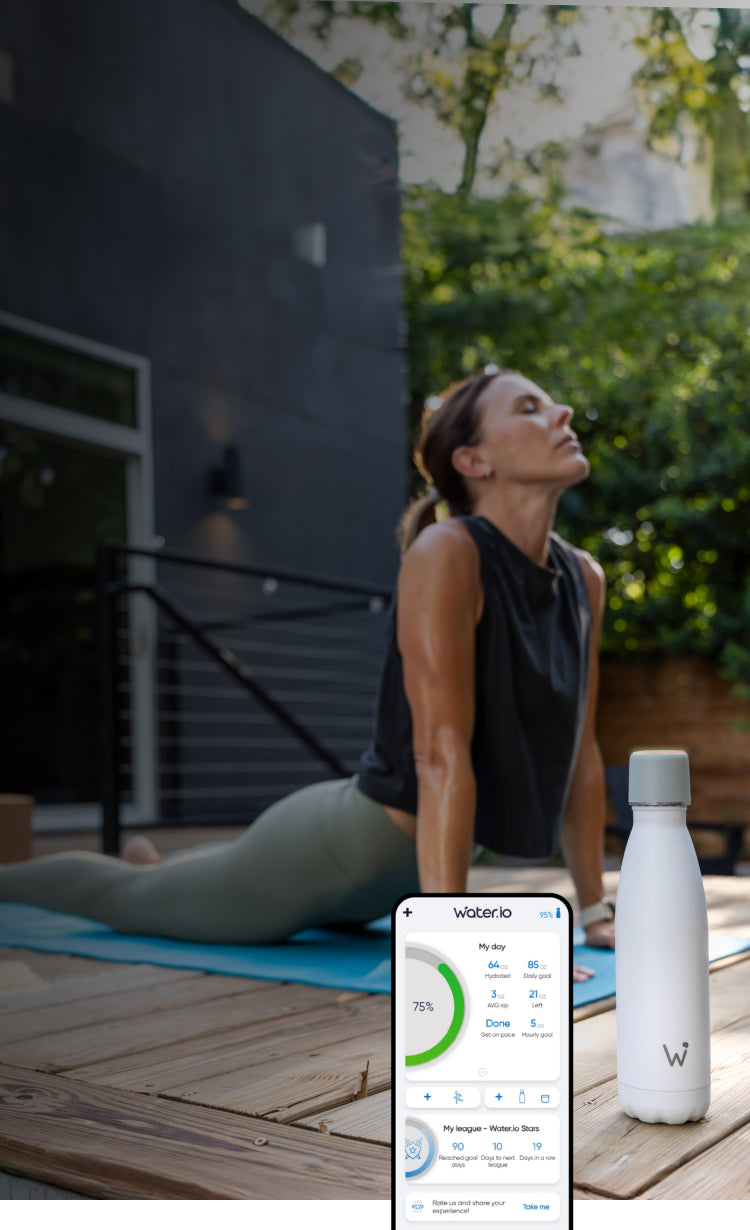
[(482, 1045)]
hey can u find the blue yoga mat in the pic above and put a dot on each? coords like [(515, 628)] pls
[(352, 961)]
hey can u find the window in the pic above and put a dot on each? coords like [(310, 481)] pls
[(40, 371)]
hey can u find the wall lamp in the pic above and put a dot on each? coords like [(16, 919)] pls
[(226, 479)]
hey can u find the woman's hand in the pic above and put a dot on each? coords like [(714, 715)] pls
[(601, 934)]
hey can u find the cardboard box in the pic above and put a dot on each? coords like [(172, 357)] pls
[(15, 827)]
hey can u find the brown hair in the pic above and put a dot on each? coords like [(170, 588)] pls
[(457, 421)]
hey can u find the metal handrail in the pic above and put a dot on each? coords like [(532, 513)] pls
[(228, 661), (250, 570), (110, 588)]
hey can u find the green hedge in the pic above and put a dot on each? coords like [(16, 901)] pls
[(648, 338)]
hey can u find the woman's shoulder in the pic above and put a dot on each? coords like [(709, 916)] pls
[(443, 565), (445, 543)]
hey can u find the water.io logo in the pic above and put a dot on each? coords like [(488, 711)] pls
[(676, 1058)]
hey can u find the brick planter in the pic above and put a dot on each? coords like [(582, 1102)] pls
[(681, 702)]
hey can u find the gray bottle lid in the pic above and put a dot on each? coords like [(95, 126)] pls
[(659, 778)]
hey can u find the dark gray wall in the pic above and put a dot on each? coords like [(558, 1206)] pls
[(156, 161)]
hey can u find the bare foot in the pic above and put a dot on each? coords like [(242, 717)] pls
[(141, 851), (582, 973)]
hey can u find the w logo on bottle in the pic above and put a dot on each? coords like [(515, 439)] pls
[(677, 1057)]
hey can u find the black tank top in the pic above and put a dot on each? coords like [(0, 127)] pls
[(531, 685)]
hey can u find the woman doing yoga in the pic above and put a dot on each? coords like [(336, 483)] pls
[(484, 729)]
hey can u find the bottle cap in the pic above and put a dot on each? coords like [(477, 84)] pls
[(659, 778)]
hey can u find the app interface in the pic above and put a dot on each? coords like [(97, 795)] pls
[(482, 1068)]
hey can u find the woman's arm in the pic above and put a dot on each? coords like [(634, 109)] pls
[(583, 824), (439, 604)]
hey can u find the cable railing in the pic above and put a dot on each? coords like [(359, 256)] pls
[(225, 686)]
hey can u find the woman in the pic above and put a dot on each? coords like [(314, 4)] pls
[(485, 723)]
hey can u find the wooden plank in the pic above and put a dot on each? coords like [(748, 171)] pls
[(728, 903), (580, 1193), (46, 996), (365, 1119), (158, 992), (85, 1045), (706, 1177), (14, 1188), (733, 959), (51, 966), (595, 1039), (292, 1028), (293, 1087), (594, 1051), (15, 974), (622, 1157), (108, 1143), (594, 1009), (348, 1070)]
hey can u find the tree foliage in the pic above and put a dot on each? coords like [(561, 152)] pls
[(648, 338), (454, 62), (462, 88), (712, 90)]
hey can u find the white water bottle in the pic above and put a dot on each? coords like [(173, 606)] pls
[(661, 951)]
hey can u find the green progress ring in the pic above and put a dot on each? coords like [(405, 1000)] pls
[(452, 1032)]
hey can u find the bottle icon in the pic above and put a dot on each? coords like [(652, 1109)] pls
[(661, 951), (521, 1097)]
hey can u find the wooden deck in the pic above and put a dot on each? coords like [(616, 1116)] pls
[(134, 1081)]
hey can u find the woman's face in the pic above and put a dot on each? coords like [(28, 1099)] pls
[(526, 436)]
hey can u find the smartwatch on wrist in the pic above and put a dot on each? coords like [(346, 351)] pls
[(601, 911)]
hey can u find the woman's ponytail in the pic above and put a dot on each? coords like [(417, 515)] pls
[(416, 517), (453, 420)]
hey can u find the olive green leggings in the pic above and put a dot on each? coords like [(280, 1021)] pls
[(325, 854)]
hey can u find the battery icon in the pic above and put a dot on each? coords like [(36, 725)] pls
[(557, 915)]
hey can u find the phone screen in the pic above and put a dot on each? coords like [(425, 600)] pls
[(482, 1042)]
